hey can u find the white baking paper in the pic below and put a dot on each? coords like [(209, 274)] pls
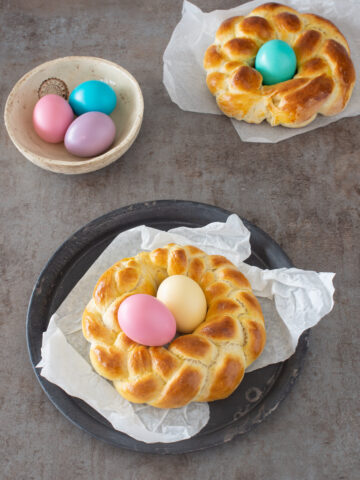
[(293, 300), (185, 78)]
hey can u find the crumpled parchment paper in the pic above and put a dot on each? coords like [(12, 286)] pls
[(293, 300), (185, 78)]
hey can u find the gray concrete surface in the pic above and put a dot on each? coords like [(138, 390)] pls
[(304, 192)]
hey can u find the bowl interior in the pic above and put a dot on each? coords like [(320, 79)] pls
[(73, 71)]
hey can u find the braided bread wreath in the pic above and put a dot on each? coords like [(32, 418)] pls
[(203, 366), (325, 73)]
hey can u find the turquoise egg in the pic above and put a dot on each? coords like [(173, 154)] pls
[(276, 61), (93, 96)]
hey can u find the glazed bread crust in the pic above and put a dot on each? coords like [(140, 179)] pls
[(203, 366), (325, 73)]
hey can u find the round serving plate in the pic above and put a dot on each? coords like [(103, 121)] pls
[(260, 392)]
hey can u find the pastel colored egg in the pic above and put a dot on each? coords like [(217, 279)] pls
[(52, 116), (276, 61), (185, 300), (146, 320), (93, 96), (90, 134)]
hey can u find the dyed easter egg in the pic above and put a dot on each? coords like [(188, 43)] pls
[(52, 116), (185, 300), (146, 320), (93, 96), (90, 134), (276, 61)]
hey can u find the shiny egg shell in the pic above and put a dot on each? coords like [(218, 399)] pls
[(93, 96), (90, 134), (52, 116), (185, 300), (146, 320), (276, 61)]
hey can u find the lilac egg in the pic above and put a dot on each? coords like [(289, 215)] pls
[(90, 134)]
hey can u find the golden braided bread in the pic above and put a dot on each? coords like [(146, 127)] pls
[(205, 365), (325, 73)]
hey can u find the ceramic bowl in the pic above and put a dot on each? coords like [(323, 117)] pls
[(127, 115)]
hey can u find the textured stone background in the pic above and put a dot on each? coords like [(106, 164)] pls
[(304, 192)]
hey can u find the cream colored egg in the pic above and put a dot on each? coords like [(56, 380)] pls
[(186, 301)]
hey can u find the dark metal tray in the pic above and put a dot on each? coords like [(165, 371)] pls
[(257, 396)]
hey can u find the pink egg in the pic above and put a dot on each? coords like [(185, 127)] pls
[(146, 320), (52, 116)]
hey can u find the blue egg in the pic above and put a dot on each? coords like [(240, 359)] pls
[(276, 61), (93, 96)]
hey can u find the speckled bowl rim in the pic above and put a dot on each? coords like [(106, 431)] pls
[(93, 163)]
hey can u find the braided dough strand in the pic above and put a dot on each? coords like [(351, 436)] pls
[(203, 366), (323, 83)]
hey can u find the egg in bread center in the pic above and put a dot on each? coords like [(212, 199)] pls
[(185, 300), (276, 61), (146, 320)]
